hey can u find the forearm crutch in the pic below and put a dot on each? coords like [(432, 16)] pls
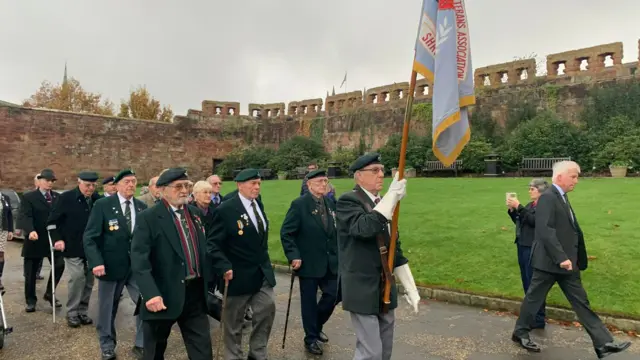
[(224, 307), (53, 272)]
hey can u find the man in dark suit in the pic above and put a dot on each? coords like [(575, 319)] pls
[(308, 236), (169, 248), (107, 243), (558, 255), (66, 223), (108, 186), (363, 220), (34, 211), (216, 185), (238, 241)]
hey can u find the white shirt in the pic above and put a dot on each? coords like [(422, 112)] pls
[(123, 206), (247, 206)]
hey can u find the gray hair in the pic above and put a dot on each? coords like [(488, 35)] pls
[(539, 183), (563, 167)]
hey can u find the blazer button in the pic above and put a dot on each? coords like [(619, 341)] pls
[(182, 264), (182, 281)]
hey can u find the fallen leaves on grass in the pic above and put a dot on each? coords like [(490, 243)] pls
[(591, 257)]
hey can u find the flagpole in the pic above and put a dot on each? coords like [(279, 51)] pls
[(401, 164)]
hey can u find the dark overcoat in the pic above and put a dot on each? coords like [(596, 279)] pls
[(34, 213)]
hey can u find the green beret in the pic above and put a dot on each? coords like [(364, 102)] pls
[(122, 174), (247, 174), (316, 173), (365, 160), (107, 180), (171, 175), (90, 176)]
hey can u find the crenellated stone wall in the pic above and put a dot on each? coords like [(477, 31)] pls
[(32, 139)]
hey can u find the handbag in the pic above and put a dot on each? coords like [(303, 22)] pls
[(214, 303)]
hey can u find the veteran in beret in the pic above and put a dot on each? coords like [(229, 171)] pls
[(168, 259), (34, 213), (238, 247), (308, 236), (107, 244), (108, 186), (364, 222), (66, 225)]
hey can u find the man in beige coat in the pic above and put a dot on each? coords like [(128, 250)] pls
[(153, 195)]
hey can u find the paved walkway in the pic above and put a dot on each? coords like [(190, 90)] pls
[(441, 331)]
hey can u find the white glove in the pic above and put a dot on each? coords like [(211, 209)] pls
[(406, 279), (397, 190)]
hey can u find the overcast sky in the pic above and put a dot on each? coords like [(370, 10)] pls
[(265, 51)]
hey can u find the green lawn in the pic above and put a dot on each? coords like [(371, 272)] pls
[(457, 234)]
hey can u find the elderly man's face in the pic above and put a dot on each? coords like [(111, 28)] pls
[(250, 189), (127, 186), (312, 167), (371, 178), (45, 184), (87, 188), (109, 188), (177, 193), (153, 189), (568, 180), (216, 184), (318, 185)]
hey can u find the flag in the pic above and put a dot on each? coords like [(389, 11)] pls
[(344, 80), (443, 56)]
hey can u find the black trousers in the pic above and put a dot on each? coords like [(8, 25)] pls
[(526, 274), (31, 271), (194, 326), (571, 286), (316, 313)]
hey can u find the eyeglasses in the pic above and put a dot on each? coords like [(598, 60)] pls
[(183, 186), (374, 170)]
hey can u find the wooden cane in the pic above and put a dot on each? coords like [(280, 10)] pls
[(286, 321), (224, 307)]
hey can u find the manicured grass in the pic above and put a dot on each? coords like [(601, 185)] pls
[(457, 234)]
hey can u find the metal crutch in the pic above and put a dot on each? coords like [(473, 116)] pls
[(5, 328), (53, 272)]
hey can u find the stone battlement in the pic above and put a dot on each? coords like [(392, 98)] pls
[(596, 63)]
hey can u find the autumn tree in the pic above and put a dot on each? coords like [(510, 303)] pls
[(141, 105), (69, 96)]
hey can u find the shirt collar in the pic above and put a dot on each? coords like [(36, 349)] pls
[(122, 199), (246, 202), (370, 195), (559, 190)]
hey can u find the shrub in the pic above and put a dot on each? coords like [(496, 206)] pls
[(473, 155)]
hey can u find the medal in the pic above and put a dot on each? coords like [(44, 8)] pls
[(116, 227), (240, 232), (110, 228)]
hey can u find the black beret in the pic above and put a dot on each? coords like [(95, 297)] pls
[(365, 160), (107, 180), (171, 175), (316, 173), (122, 174), (90, 176), (247, 174), (47, 174)]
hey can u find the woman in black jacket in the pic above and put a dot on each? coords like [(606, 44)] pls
[(524, 217), (6, 229)]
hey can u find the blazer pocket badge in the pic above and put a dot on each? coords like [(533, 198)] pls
[(113, 225), (240, 227)]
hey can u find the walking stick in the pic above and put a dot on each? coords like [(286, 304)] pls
[(286, 321), (224, 307), (53, 273)]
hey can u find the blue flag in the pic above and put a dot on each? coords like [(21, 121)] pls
[(443, 56)]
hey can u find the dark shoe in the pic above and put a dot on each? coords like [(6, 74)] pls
[(85, 320), (30, 308), (74, 321), (48, 299), (248, 316), (323, 337), (108, 355), (612, 348), (313, 348), (39, 277), (138, 352), (1, 286), (526, 343)]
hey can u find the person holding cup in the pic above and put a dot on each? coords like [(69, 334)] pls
[(524, 217)]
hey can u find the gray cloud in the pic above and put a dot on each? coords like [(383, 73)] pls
[(271, 51)]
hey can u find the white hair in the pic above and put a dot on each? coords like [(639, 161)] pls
[(563, 167)]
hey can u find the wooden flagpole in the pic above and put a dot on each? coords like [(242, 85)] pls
[(401, 164)]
